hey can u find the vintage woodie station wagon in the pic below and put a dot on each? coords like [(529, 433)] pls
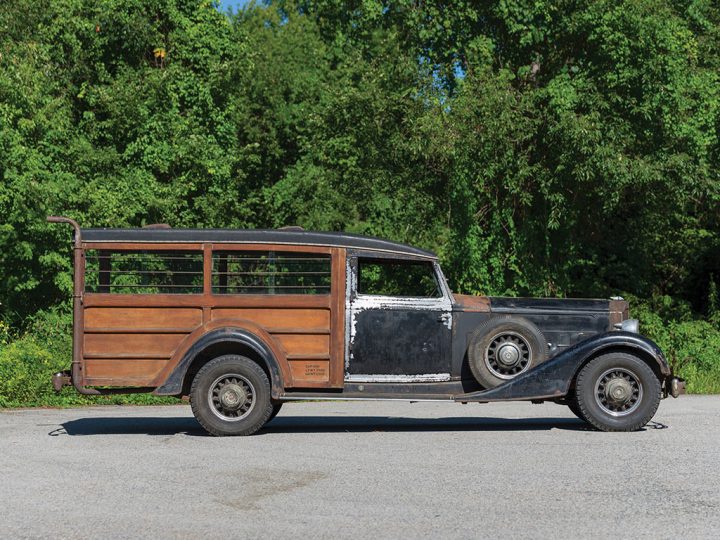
[(241, 321)]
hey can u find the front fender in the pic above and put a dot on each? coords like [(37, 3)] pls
[(552, 379)]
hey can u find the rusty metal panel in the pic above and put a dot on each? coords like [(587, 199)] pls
[(619, 312), (468, 303)]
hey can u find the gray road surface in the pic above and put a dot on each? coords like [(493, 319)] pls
[(361, 470)]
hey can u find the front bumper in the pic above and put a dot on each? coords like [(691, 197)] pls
[(674, 386)]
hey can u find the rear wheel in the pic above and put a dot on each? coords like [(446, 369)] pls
[(617, 392), (276, 406), (230, 395)]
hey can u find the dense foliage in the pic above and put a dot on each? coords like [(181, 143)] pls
[(542, 148)]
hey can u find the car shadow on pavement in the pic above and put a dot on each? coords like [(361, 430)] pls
[(317, 424), (324, 424), (360, 424), (144, 425)]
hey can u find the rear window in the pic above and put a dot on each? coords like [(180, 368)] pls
[(270, 272), (144, 272)]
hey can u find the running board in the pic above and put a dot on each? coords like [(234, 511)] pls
[(358, 396)]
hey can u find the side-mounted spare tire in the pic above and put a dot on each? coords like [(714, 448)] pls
[(503, 347)]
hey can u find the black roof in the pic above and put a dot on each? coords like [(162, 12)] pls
[(261, 236)]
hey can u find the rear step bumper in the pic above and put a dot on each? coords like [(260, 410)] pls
[(60, 379)]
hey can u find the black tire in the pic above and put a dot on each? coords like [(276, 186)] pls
[(490, 338), (230, 395), (629, 410), (276, 406), (573, 406)]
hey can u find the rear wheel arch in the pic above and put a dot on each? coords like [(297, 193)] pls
[(216, 343), (222, 348)]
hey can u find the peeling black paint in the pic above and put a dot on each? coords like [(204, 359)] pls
[(400, 342)]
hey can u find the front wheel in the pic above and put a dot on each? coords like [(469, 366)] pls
[(617, 392), (230, 395), (573, 406)]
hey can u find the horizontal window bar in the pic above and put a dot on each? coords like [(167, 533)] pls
[(131, 272), (234, 258), (145, 255), (271, 287), (270, 273), (146, 286)]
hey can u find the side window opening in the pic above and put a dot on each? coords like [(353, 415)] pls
[(143, 272), (385, 277), (270, 272)]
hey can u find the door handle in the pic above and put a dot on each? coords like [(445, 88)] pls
[(445, 317)]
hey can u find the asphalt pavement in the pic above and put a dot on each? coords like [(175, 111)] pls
[(361, 470)]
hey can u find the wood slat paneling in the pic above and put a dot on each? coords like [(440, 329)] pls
[(297, 344), (208, 300), (117, 372), (136, 345), (278, 318), (130, 338), (142, 318)]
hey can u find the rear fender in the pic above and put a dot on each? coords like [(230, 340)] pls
[(240, 337)]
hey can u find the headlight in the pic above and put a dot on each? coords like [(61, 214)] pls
[(629, 325)]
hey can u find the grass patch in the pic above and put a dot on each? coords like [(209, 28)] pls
[(28, 362)]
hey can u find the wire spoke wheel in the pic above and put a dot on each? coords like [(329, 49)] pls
[(508, 355), (231, 397), (503, 347), (618, 391)]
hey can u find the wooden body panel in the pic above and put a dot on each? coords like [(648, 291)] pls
[(121, 319), (122, 371), (138, 339), (129, 345)]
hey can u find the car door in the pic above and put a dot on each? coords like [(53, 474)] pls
[(399, 321)]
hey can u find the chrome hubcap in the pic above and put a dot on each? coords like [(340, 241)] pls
[(231, 397), (508, 355), (618, 392)]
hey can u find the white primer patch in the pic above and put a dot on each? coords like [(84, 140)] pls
[(424, 377)]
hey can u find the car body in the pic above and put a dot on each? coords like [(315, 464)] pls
[(245, 320)]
